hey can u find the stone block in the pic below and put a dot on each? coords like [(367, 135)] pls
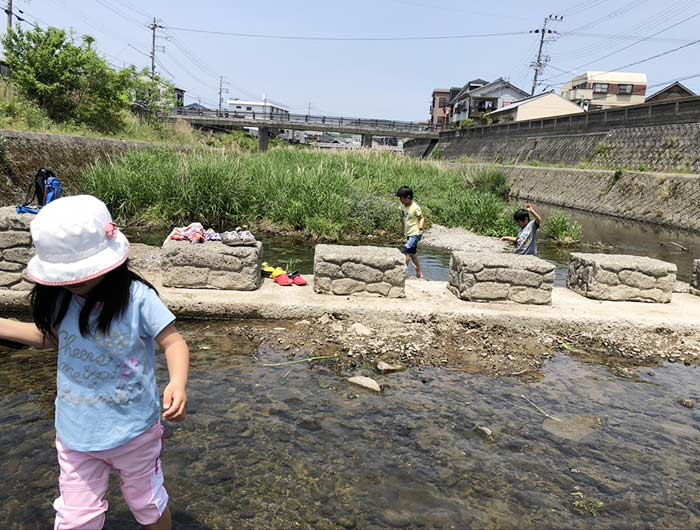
[(500, 277), (8, 279), (695, 279), (10, 266), (211, 265), (19, 254), (13, 238), (359, 270), (621, 278), (11, 220)]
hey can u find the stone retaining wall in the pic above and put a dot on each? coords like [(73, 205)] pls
[(695, 280), (486, 277), (621, 278), (664, 148), (359, 270), (23, 153), (15, 249), (660, 199), (211, 265)]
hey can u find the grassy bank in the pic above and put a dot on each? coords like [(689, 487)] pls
[(331, 196)]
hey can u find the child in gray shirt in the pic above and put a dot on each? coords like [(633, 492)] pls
[(526, 242)]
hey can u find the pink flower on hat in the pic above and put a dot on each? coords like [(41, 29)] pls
[(111, 230)]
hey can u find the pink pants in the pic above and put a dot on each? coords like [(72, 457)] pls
[(85, 476)]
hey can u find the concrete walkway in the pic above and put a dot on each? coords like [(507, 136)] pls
[(424, 301)]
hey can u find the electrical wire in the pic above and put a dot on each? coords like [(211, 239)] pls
[(633, 32), (371, 39), (616, 13), (677, 80), (126, 17), (457, 10), (691, 17)]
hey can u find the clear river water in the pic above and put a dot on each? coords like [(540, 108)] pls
[(297, 447)]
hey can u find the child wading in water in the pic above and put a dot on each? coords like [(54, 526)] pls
[(526, 242), (104, 320), (413, 224)]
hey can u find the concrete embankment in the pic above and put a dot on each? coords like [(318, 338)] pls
[(654, 198), (23, 153)]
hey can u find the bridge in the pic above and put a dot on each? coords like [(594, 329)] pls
[(265, 122)]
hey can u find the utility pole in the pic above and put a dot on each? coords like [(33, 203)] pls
[(541, 61), (308, 112), (9, 17), (153, 27), (222, 91)]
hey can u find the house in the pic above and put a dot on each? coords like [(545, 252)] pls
[(265, 107), (440, 106), (479, 97), (179, 97), (544, 105), (606, 90), (673, 91)]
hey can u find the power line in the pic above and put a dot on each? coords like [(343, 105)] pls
[(633, 32), (616, 13), (310, 38), (457, 10), (126, 17), (677, 80), (635, 43)]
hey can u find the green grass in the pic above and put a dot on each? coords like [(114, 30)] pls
[(20, 114), (561, 229), (330, 196)]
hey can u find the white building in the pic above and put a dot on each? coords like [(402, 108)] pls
[(605, 90), (257, 109)]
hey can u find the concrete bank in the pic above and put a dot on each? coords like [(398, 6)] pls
[(425, 301), (654, 198), (23, 153), (666, 199)]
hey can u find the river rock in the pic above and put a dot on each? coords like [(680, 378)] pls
[(386, 368), (360, 330), (687, 403), (365, 382)]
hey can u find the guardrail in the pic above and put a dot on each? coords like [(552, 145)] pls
[(269, 118), (681, 110)]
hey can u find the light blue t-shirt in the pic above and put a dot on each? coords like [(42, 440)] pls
[(106, 386)]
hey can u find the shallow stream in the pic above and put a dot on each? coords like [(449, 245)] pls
[(298, 447), (601, 233)]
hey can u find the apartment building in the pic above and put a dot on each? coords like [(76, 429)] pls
[(606, 90)]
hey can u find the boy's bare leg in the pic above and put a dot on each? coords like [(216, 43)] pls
[(164, 523), (416, 263)]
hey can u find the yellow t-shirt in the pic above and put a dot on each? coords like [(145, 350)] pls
[(411, 215)]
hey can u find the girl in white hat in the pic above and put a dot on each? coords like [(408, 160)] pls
[(105, 321)]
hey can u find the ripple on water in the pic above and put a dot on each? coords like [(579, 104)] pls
[(280, 448)]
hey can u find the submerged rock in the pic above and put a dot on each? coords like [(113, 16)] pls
[(485, 432), (687, 403), (365, 382), (386, 368)]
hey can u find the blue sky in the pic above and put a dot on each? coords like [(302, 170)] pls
[(383, 79)]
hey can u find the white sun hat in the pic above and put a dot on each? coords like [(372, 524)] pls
[(75, 241)]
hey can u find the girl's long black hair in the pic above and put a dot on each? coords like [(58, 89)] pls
[(110, 297)]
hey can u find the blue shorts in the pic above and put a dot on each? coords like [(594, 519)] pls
[(411, 246)]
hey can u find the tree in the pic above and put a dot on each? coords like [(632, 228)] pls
[(70, 80)]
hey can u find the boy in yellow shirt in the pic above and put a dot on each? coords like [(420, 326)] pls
[(413, 224)]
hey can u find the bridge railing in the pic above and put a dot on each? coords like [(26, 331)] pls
[(270, 118)]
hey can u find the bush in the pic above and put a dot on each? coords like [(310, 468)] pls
[(489, 180), (562, 229)]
